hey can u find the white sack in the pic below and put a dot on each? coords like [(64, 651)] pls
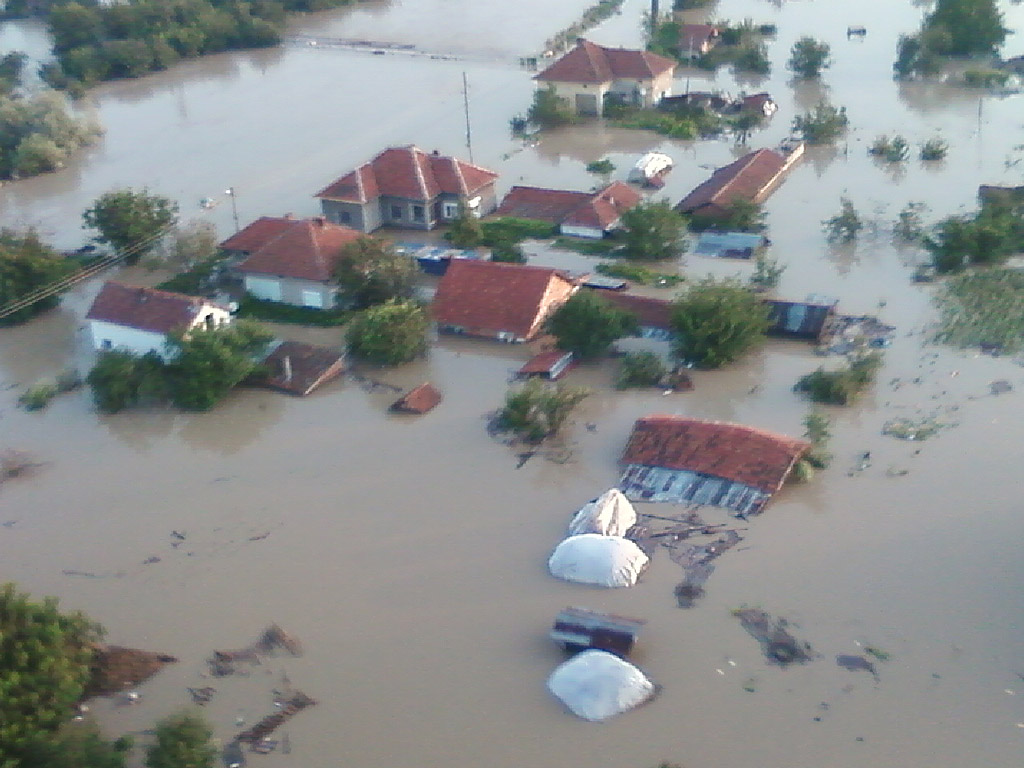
[(590, 558), (610, 514), (597, 685)]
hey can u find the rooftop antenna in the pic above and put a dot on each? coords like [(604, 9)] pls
[(465, 104)]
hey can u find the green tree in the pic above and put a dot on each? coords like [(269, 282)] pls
[(818, 430), (808, 57), (717, 321), (182, 741), (841, 386), (823, 124), (963, 27), (27, 265), (549, 110), (587, 324), (120, 379), (370, 271), (44, 668), (640, 369), (845, 225), (132, 222), (537, 410), (653, 231), (744, 124), (988, 237), (389, 334), (207, 363), (466, 230), (77, 745)]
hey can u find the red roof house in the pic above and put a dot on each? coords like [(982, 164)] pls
[(139, 319), (409, 188), (697, 39), (291, 260), (418, 400), (590, 72), (580, 214), (508, 302), (679, 459)]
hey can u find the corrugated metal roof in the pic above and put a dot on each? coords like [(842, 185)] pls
[(733, 244), (798, 318), (643, 483)]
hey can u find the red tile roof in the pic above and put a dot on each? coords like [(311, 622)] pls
[(696, 35), (411, 173), (599, 210), (735, 452), (308, 367), (744, 179), (146, 309), (420, 399), (257, 234), (592, 63), (650, 313), (545, 361), (304, 249), (489, 297)]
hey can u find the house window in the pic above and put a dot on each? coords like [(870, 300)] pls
[(451, 210), (417, 213), (313, 299), (345, 217), (107, 344), (396, 212)]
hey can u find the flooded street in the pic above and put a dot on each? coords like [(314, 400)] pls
[(409, 554)]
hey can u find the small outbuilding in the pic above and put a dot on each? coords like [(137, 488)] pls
[(580, 629), (418, 400), (298, 368), (551, 365)]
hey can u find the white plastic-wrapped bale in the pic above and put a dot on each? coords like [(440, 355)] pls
[(590, 558), (610, 514), (597, 685)]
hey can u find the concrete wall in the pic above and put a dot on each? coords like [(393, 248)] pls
[(569, 91), (301, 293), (364, 218)]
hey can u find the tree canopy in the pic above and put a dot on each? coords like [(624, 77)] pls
[(549, 110), (26, 265), (466, 230), (808, 57), (587, 324), (717, 321), (653, 231), (38, 132), (823, 124), (987, 237), (389, 334), (370, 271), (131, 221), (182, 741)]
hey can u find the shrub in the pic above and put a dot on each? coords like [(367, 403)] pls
[(516, 230), (389, 334), (279, 312), (717, 321), (602, 167), (549, 110), (808, 57), (640, 369), (934, 149), (536, 410), (38, 396), (638, 273), (818, 430), (984, 307), (823, 124), (767, 272), (909, 226), (845, 225), (894, 149), (653, 231), (587, 324), (840, 387)]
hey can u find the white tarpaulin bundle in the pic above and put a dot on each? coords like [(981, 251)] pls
[(590, 558), (597, 685), (610, 514)]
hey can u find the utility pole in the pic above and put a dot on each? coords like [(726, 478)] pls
[(655, 10), (465, 104), (230, 192)]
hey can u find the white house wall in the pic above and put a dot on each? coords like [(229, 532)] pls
[(589, 232), (110, 336)]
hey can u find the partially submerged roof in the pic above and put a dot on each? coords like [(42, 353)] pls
[(676, 458), (803, 320), (146, 309), (303, 249), (592, 63), (650, 312), (745, 179), (693, 36), (420, 399), (299, 368), (729, 244), (597, 210), (487, 295), (411, 173), (554, 362)]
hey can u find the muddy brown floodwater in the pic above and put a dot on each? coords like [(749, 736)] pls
[(408, 554)]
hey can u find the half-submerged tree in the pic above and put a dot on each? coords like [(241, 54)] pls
[(823, 124), (845, 225), (370, 271), (182, 741), (717, 321), (587, 324), (133, 222), (389, 334), (549, 110), (808, 57), (27, 265), (537, 410), (653, 231)]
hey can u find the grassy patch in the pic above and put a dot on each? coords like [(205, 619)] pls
[(638, 273), (278, 312), (588, 247), (509, 229), (984, 307)]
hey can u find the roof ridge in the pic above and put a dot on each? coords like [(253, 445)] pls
[(457, 165), (416, 154), (750, 157)]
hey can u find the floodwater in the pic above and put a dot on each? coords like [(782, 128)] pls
[(409, 554)]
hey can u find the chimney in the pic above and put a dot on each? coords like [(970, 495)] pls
[(435, 153), (289, 216), (286, 366)]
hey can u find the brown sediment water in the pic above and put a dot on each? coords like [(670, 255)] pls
[(408, 553)]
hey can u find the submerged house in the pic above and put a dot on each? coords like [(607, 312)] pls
[(805, 320), (683, 460), (139, 319), (550, 365), (654, 316), (730, 245), (590, 72), (507, 302), (418, 400), (697, 39), (291, 260), (750, 179), (577, 214), (298, 368), (408, 188)]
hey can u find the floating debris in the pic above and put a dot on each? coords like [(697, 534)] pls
[(1000, 387), (904, 428), (856, 664), (115, 668), (288, 708), (201, 696), (779, 646), (273, 639)]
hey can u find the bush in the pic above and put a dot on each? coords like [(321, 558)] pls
[(894, 149), (845, 225), (638, 273), (588, 246), (516, 230), (984, 307), (120, 379), (549, 110), (389, 334), (841, 386), (640, 369), (38, 396), (207, 364), (988, 237), (823, 124), (537, 410), (182, 741), (587, 324), (808, 57), (818, 430), (718, 321), (934, 149), (767, 272), (602, 167), (279, 312), (986, 78), (653, 231)]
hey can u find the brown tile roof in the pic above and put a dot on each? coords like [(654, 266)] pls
[(257, 234), (544, 362), (695, 35), (650, 313), (742, 454), (743, 179), (600, 210), (420, 399), (146, 309), (592, 63), (411, 173), (309, 366), (304, 249), (489, 297)]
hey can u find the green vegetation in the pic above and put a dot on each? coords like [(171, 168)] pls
[(934, 149), (504, 235), (983, 307), (371, 272), (121, 379), (986, 78), (587, 324), (465, 231), (38, 133), (767, 272), (587, 246), (640, 369), (536, 410), (664, 123), (845, 225), (894, 149), (823, 124), (279, 312), (389, 334), (841, 386), (46, 657), (197, 280), (602, 167), (182, 741), (738, 216), (549, 110), (741, 45), (100, 41), (77, 745), (953, 28), (638, 273), (717, 321), (909, 225), (132, 222), (988, 237), (26, 265), (818, 430), (591, 17), (653, 231), (808, 57), (38, 396)]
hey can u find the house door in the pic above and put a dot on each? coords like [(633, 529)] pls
[(586, 104)]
